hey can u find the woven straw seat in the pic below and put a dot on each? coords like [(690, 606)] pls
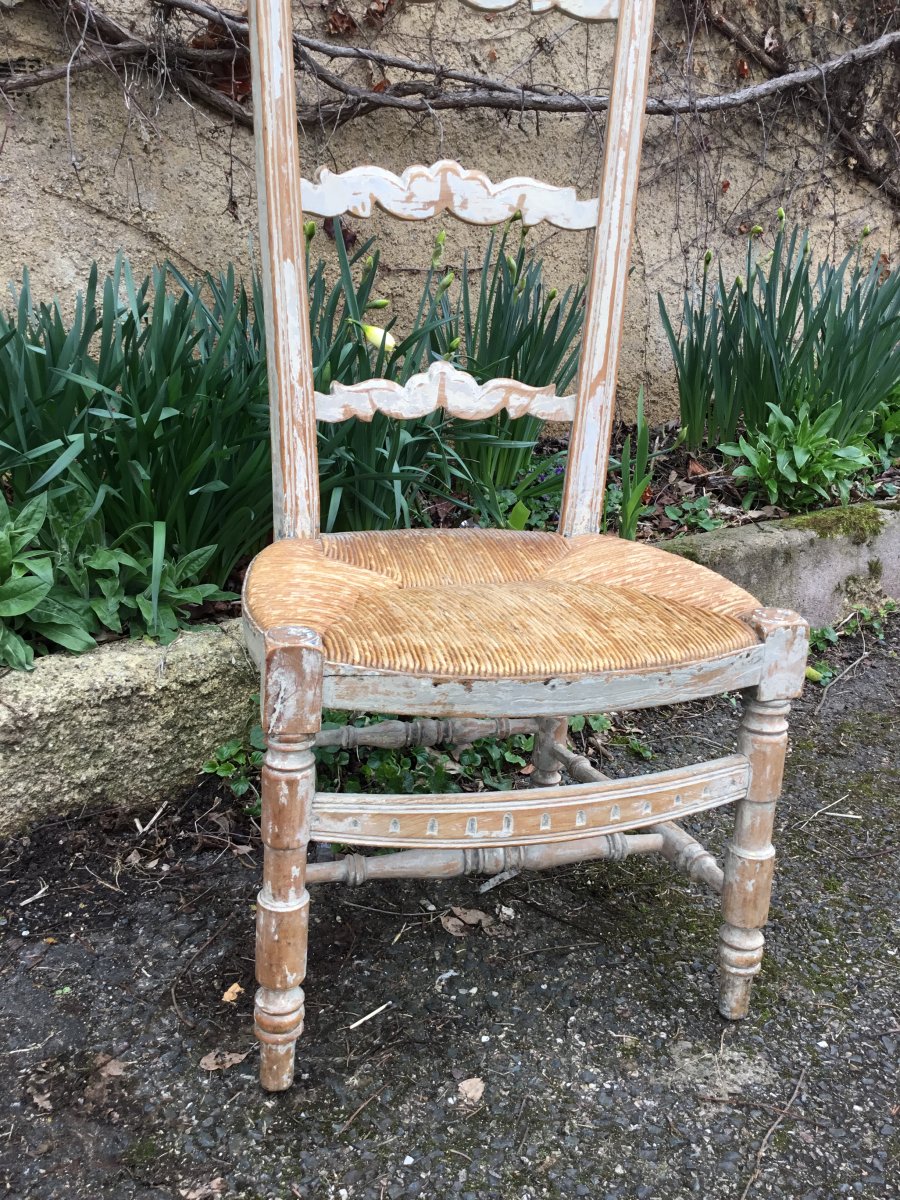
[(492, 604)]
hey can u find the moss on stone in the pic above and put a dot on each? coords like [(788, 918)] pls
[(861, 523)]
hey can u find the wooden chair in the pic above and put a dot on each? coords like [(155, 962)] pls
[(478, 633)]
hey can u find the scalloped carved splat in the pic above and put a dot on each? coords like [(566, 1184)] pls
[(422, 192), (581, 10), (442, 386)]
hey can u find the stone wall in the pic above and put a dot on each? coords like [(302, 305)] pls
[(131, 165)]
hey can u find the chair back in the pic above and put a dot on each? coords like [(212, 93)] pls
[(419, 193)]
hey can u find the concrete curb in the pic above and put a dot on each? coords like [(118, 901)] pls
[(817, 564), (129, 724)]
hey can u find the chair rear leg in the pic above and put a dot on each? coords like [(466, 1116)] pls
[(292, 714), (546, 771)]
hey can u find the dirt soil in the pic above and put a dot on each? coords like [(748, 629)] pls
[(590, 1019)]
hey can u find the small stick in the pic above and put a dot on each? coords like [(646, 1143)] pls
[(819, 811), (838, 678), (346, 1125), (757, 1164), (369, 1016)]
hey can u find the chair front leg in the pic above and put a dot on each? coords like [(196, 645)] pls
[(292, 707), (750, 858)]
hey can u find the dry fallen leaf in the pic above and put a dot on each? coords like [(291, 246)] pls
[(460, 921), (471, 1090), (232, 993), (110, 1067), (204, 1191), (41, 1099), (219, 1060)]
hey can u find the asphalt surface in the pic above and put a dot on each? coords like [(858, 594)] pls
[(570, 1049)]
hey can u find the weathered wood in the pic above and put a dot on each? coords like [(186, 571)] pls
[(529, 815), (442, 386), (361, 689), (585, 484), (396, 735), (356, 869), (422, 192), (581, 10), (291, 713), (689, 857), (750, 857), (295, 479), (552, 731)]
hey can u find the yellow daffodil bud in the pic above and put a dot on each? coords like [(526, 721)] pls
[(780, 215), (378, 337), (378, 304), (756, 231), (552, 294), (369, 264), (454, 344), (867, 229), (739, 280), (309, 230), (445, 282)]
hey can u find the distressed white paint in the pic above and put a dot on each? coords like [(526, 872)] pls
[(360, 689), (585, 483), (581, 10), (540, 815), (441, 386), (422, 192)]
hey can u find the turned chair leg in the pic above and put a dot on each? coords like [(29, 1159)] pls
[(750, 858), (291, 716), (546, 771)]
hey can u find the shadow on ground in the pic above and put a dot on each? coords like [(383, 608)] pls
[(590, 1017)]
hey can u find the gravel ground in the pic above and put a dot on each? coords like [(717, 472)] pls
[(587, 1010)]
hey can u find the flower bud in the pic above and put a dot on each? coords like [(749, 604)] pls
[(780, 215), (756, 231), (309, 230), (454, 344), (377, 304), (378, 337), (707, 259), (445, 283), (552, 294), (867, 229)]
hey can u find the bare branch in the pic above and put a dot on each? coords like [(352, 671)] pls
[(108, 43)]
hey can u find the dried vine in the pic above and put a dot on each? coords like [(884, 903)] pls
[(213, 68)]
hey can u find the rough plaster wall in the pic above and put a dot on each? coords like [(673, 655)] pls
[(159, 177)]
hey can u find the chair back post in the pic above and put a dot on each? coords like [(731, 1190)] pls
[(585, 484), (295, 482)]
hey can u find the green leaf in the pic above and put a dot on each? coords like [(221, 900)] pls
[(19, 596), (14, 650)]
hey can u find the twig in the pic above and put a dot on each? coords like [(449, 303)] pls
[(346, 1125), (763, 1146), (828, 686), (174, 59), (819, 811), (369, 1016)]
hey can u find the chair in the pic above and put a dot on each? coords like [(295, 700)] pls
[(475, 633)]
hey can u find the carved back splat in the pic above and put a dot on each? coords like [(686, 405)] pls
[(419, 193)]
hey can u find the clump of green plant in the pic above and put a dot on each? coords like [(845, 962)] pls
[(625, 501), (796, 461), (786, 334), (823, 639), (510, 326), (693, 514), (54, 593)]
